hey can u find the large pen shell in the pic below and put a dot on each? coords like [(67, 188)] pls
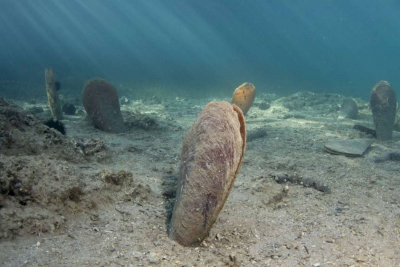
[(212, 154)]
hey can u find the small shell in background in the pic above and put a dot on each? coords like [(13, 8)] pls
[(348, 109), (100, 100), (383, 103), (243, 97)]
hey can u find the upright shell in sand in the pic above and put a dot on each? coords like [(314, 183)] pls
[(348, 109), (211, 157), (383, 103), (52, 95), (100, 100)]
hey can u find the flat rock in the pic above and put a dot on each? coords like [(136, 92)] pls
[(349, 148)]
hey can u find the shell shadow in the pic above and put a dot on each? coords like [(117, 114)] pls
[(168, 186)]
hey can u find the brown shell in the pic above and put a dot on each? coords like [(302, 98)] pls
[(100, 100), (212, 154), (243, 97), (383, 102)]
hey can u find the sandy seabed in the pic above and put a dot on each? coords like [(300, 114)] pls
[(98, 199)]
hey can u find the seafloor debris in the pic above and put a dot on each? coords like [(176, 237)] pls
[(211, 157), (153, 100), (133, 190), (391, 155), (279, 197), (90, 146), (324, 103), (69, 109), (292, 116), (80, 113), (100, 100), (256, 133), (13, 117), (348, 109), (264, 105), (140, 193), (142, 121), (124, 100), (243, 97), (365, 130), (306, 182), (383, 103), (21, 133), (119, 178), (75, 193)]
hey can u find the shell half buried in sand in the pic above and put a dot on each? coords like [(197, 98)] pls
[(349, 148), (212, 154)]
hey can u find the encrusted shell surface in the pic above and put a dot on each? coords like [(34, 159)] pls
[(211, 157), (100, 100), (383, 102)]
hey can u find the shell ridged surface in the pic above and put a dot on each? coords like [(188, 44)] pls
[(211, 157), (383, 102)]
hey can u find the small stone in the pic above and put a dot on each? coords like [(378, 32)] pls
[(124, 100), (136, 254), (219, 237), (264, 106), (152, 257), (80, 113), (94, 217), (361, 258), (285, 189)]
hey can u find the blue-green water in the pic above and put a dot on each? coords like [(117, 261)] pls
[(284, 46)]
